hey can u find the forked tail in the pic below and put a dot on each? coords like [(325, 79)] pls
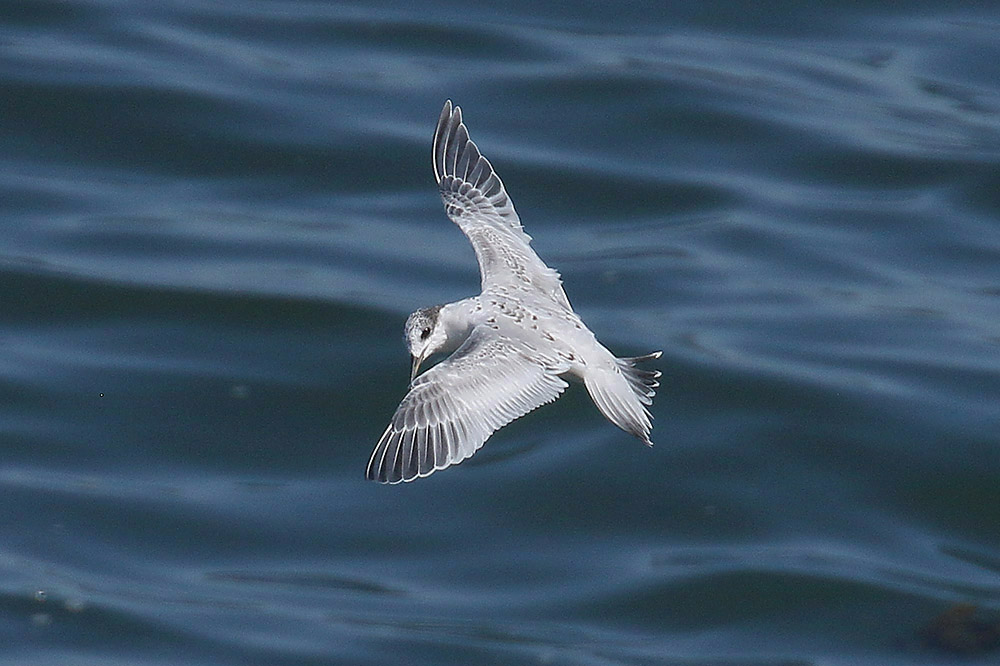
[(622, 391)]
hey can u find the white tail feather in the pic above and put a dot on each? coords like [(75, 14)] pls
[(621, 391)]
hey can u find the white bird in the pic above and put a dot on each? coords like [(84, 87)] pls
[(513, 344)]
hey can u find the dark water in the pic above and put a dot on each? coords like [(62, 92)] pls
[(216, 216)]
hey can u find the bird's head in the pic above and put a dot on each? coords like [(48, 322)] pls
[(424, 335)]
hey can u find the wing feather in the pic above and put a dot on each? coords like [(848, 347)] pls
[(476, 200), (453, 408)]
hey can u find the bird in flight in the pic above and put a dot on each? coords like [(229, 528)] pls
[(512, 345)]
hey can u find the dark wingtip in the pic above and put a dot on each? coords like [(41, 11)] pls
[(441, 132), (373, 473), (379, 469)]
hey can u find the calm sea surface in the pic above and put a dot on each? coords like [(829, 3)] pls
[(216, 216)]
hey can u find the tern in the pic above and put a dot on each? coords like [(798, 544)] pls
[(512, 346)]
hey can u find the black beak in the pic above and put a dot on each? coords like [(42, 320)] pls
[(417, 360)]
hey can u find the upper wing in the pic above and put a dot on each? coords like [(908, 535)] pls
[(453, 408), (477, 202)]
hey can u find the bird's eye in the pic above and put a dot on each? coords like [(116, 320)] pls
[(424, 333)]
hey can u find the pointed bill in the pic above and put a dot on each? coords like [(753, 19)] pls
[(417, 360)]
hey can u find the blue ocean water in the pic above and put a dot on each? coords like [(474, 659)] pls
[(217, 215)]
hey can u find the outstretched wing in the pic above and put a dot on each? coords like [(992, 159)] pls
[(475, 200), (453, 408)]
